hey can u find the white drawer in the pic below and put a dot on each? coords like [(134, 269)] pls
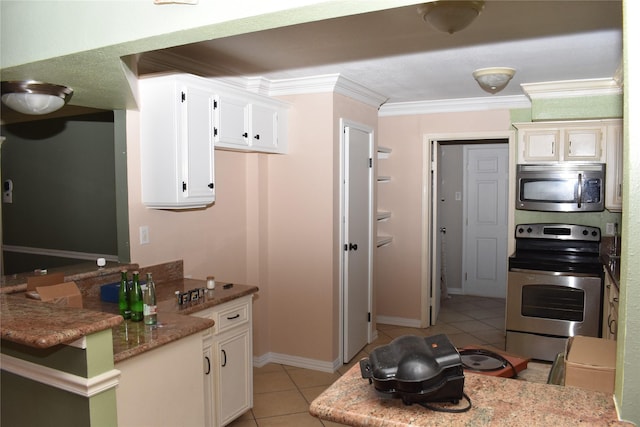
[(231, 316), (228, 315)]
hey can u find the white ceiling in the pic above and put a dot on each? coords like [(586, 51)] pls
[(396, 54)]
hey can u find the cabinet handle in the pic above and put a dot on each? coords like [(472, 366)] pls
[(245, 135), (208, 365), (257, 136), (233, 317), (224, 358)]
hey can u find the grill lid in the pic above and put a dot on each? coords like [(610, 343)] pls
[(416, 369)]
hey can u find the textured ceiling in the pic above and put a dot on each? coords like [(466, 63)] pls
[(396, 54)]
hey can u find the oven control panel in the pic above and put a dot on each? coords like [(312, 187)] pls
[(558, 232)]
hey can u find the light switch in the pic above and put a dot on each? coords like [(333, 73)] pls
[(144, 235)]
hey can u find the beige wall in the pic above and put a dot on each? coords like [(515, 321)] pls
[(274, 225), (399, 264)]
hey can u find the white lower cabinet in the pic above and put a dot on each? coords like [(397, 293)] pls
[(227, 357), (160, 388)]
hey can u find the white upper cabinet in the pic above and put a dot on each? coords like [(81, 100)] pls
[(230, 118), (613, 190), (176, 142), (598, 141), (247, 121), (584, 144), (544, 142)]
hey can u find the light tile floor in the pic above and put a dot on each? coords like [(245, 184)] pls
[(282, 394)]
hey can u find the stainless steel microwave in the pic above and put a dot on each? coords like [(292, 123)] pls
[(566, 187)]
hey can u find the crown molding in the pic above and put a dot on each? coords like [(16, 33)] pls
[(572, 88), (454, 105), (326, 83)]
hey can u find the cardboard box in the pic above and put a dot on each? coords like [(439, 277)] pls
[(64, 294), (44, 280), (590, 363)]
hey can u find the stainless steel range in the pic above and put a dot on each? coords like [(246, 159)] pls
[(554, 288)]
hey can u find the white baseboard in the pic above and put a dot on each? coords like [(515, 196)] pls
[(298, 362), (398, 321)]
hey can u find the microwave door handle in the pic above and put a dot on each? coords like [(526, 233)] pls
[(579, 190)]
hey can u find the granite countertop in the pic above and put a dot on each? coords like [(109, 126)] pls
[(18, 282), (174, 322), (43, 325), (496, 401)]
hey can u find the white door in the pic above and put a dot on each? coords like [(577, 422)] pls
[(358, 238), (485, 249)]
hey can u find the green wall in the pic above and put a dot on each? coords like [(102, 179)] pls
[(64, 196), (28, 402)]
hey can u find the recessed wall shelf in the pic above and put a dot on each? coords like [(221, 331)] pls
[(383, 152), (383, 216), (384, 240)]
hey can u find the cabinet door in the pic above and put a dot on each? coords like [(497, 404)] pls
[(540, 145), (613, 194), (209, 381), (583, 144), (264, 127), (234, 366), (231, 122), (198, 153)]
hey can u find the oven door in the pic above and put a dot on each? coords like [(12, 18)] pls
[(554, 304)]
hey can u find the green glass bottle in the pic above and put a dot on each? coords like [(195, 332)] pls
[(123, 295), (135, 299), (150, 307)]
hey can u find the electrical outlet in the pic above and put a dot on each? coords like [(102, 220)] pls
[(610, 230), (144, 235)]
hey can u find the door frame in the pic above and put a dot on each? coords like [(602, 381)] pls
[(429, 230), (344, 123)]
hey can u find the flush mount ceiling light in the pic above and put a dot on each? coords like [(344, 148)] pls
[(32, 97), (450, 16), (493, 79)]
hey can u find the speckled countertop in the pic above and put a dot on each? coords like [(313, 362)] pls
[(43, 325), (351, 400), (18, 282), (174, 322)]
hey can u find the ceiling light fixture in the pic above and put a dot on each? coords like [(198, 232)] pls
[(32, 97), (493, 79), (450, 16)]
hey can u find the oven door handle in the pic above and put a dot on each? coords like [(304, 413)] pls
[(579, 190), (553, 273)]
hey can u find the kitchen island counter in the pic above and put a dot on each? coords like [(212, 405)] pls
[(43, 325), (351, 400), (174, 321)]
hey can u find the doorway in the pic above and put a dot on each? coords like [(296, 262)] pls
[(356, 237), (467, 217)]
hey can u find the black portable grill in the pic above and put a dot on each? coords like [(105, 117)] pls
[(416, 369)]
